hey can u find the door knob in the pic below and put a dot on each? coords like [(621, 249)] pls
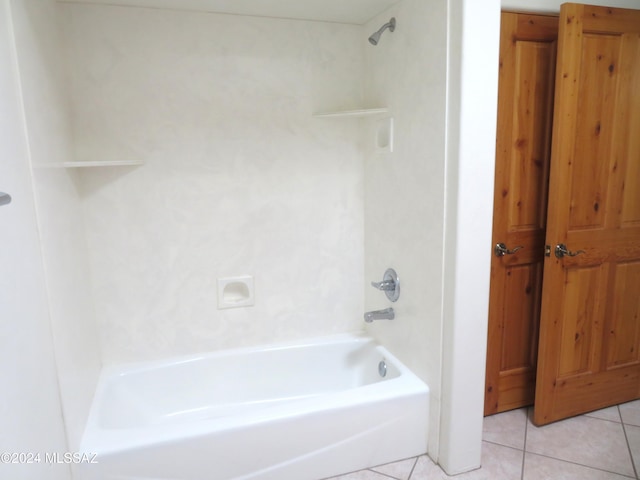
[(500, 250), (562, 250), (5, 198)]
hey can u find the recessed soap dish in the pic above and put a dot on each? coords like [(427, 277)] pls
[(384, 135), (235, 292)]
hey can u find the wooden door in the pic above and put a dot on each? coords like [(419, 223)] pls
[(525, 102), (589, 354)]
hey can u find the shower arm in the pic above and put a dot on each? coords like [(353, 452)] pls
[(391, 25)]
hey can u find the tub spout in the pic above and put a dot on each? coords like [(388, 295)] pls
[(386, 314)]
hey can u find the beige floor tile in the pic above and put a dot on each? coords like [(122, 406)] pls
[(584, 440), (537, 467), (425, 469), (633, 436), (498, 463), (630, 412), (506, 428), (612, 414), (399, 470), (361, 475)]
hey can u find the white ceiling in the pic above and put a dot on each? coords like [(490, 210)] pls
[(342, 11)]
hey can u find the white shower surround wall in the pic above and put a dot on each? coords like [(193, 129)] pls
[(29, 421), (404, 191), (59, 211), (239, 178)]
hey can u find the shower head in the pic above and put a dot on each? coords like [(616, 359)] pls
[(375, 38)]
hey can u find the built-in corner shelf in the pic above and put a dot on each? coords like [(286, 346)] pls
[(383, 124), (114, 163), (364, 112)]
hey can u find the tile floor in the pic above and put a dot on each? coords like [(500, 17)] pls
[(602, 445)]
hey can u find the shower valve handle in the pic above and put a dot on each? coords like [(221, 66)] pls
[(5, 198), (390, 284), (385, 285)]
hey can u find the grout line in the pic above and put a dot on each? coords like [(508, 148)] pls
[(413, 468), (621, 422), (636, 470), (371, 469), (598, 418), (626, 437), (379, 473), (589, 466), (524, 446), (503, 445), (582, 465)]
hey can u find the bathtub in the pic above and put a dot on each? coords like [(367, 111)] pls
[(309, 410)]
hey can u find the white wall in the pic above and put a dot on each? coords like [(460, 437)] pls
[(471, 120), (30, 410), (42, 75), (239, 178), (404, 190)]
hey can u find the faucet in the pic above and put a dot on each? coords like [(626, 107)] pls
[(386, 314)]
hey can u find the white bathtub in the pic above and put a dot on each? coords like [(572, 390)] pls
[(290, 412)]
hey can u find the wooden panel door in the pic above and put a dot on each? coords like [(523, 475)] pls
[(525, 102), (589, 354)]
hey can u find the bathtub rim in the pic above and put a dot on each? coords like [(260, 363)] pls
[(97, 439), (124, 368)]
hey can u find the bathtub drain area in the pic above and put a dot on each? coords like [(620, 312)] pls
[(382, 368)]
